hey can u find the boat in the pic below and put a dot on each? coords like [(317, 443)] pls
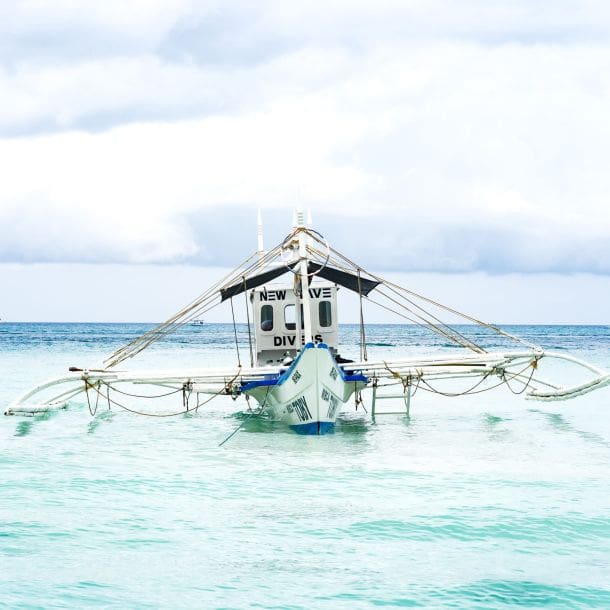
[(296, 372), (197, 322)]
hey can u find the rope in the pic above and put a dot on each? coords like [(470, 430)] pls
[(247, 418), (249, 330), (227, 389), (473, 390), (438, 325), (143, 395), (396, 287), (92, 412), (358, 401), (429, 323), (363, 354), (187, 390), (235, 333), (401, 297), (200, 305), (534, 366), (456, 394), (405, 317), (406, 381)]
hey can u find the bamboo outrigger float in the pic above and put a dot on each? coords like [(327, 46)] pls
[(296, 373)]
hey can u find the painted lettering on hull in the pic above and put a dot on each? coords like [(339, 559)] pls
[(299, 406), (333, 403)]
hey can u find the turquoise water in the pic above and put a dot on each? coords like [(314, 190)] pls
[(479, 502)]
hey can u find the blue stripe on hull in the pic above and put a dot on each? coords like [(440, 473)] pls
[(315, 427)]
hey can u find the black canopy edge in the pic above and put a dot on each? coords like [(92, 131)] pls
[(343, 278), (252, 282)]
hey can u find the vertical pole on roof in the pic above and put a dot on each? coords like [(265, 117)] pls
[(304, 279), (298, 319)]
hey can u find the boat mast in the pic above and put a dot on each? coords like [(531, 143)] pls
[(303, 273)]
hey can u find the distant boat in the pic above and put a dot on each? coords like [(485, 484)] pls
[(197, 322)]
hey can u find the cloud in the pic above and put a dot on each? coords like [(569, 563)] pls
[(34, 232), (93, 66), (423, 137)]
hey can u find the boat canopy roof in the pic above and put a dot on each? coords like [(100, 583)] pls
[(348, 280)]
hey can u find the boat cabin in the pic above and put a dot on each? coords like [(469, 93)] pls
[(276, 320)]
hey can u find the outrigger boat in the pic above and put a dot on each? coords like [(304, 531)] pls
[(296, 373)]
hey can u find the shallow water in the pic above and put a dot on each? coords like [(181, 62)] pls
[(477, 502)]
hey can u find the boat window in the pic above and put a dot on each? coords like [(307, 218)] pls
[(289, 317), (324, 312), (267, 317)]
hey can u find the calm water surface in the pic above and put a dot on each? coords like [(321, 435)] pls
[(479, 502)]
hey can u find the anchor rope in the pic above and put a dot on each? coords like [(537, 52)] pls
[(247, 418)]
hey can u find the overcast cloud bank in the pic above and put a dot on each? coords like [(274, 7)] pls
[(433, 136)]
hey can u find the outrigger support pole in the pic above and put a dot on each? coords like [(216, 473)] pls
[(374, 401), (408, 399)]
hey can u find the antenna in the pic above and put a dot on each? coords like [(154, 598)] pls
[(300, 217)]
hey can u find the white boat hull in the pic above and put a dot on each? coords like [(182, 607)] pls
[(310, 394)]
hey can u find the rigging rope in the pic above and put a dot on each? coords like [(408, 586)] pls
[(363, 354), (397, 289), (249, 330), (399, 296), (432, 323), (235, 332), (182, 317)]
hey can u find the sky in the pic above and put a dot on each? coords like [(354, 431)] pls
[(460, 146)]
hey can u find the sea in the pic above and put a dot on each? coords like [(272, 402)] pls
[(487, 501)]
